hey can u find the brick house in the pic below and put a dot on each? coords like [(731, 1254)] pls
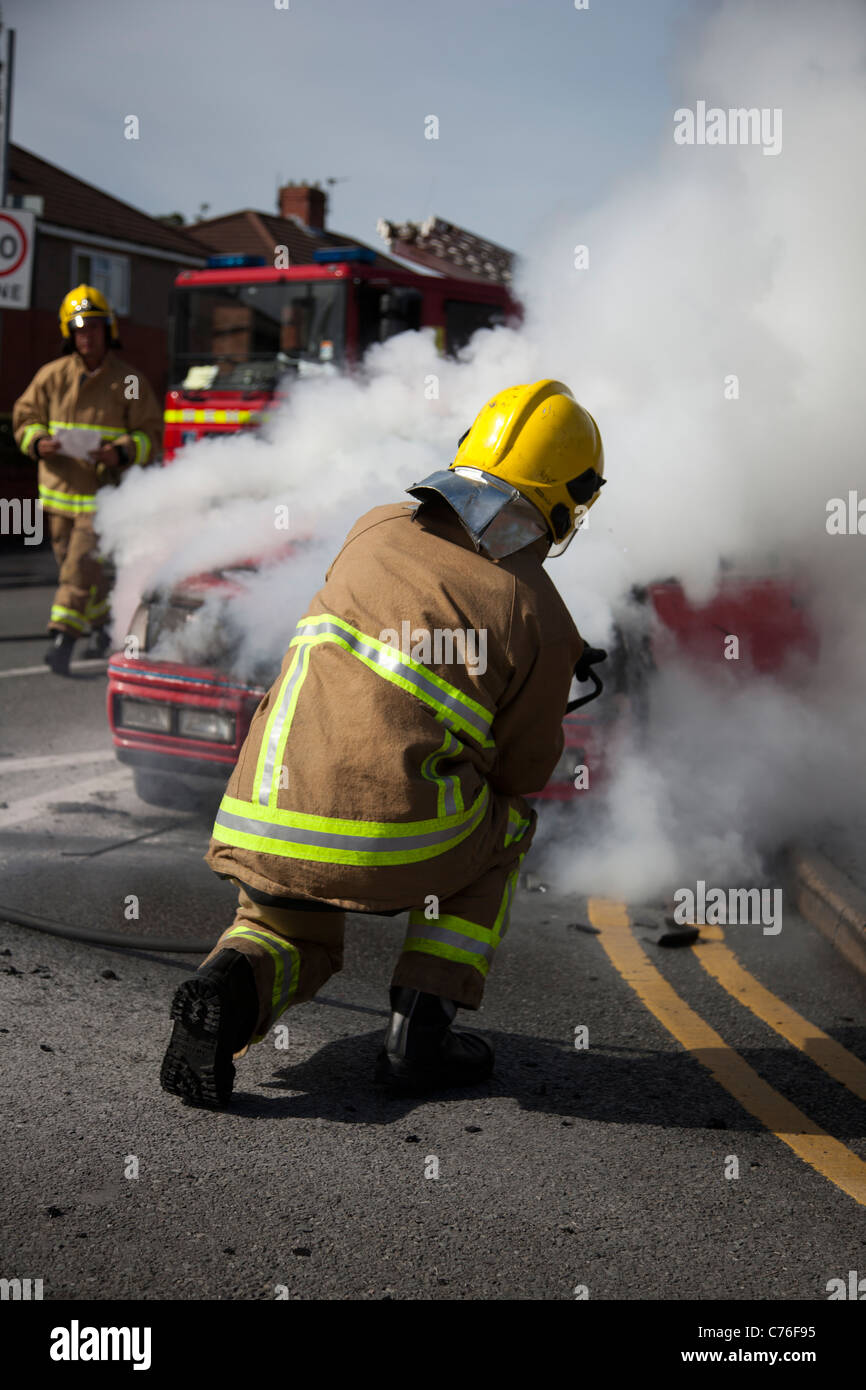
[(85, 235), (298, 224)]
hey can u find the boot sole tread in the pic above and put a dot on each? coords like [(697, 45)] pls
[(192, 1067)]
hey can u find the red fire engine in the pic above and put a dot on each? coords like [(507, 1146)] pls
[(241, 331)]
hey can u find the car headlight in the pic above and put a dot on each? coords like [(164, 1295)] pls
[(209, 724), (144, 714)]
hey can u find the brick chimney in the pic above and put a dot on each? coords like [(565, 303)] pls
[(303, 200)]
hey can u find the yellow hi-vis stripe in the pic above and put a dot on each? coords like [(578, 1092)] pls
[(287, 963), (458, 712), (97, 610), (73, 503), (516, 826), (266, 786), (809, 1142), (459, 940), (295, 835), (449, 796), (142, 445), (29, 434), (59, 614), (210, 417), (261, 826)]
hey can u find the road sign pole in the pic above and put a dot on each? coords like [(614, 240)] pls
[(7, 63)]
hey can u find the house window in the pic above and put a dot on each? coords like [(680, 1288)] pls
[(107, 273)]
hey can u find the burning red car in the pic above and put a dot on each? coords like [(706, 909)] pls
[(177, 724), (181, 725), (173, 723), (767, 615)]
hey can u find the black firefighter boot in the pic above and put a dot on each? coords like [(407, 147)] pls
[(421, 1053), (60, 652), (215, 1012), (98, 644)]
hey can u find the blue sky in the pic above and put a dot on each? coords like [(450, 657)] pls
[(538, 102)]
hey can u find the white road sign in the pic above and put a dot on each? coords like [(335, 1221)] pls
[(16, 257)]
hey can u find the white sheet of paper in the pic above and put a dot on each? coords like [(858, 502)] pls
[(200, 378), (78, 444)]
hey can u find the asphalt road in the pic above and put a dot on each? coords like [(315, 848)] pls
[(597, 1170)]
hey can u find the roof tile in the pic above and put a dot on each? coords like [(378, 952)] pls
[(70, 202)]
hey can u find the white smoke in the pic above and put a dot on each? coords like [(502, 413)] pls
[(716, 262), (721, 261)]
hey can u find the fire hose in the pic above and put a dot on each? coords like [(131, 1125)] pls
[(583, 672), (156, 944)]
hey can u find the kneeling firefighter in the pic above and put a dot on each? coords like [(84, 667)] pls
[(421, 697)]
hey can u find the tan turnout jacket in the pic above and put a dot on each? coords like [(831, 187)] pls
[(421, 697), (63, 396)]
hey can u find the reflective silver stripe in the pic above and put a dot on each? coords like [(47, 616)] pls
[(388, 660), (429, 931), (70, 503), (388, 663), (450, 779), (59, 614), (334, 840), (449, 800), (278, 730), (444, 780)]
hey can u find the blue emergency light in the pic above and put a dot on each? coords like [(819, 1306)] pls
[(230, 261), (345, 253)]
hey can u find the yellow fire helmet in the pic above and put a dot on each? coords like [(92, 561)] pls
[(83, 303), (540, 441)]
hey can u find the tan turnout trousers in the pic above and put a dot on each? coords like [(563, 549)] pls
[(293, 952), (81, 599)]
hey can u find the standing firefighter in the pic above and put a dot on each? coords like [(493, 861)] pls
[(384, 771), (89, 390)]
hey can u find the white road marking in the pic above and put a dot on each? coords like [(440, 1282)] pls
[(54, 760), (46, 670), (27, 807)]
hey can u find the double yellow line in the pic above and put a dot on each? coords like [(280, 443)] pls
[(808, 1141)]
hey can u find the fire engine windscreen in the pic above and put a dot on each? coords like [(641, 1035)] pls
[(245, 337)]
